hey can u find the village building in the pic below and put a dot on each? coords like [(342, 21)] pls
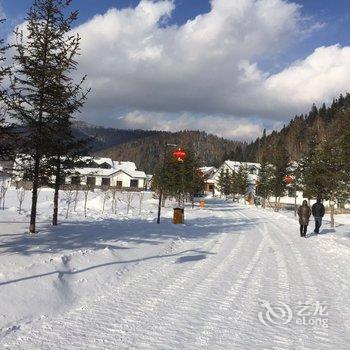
[(104, 172), (94, 172), (234, 166), (207, 174)]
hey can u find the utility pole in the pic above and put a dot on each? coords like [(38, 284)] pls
[(161, 181)]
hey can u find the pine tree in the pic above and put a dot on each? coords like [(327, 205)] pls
[(36, 83), (279, 171), (241, 180), (194, 183), (6, 129), (65, 149), (233, 184), (223, 183), (178, 179), (265, 174), (264, 185)]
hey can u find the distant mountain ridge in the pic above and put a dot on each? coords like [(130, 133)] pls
[(296, 136), (144, 147), (104, 138)]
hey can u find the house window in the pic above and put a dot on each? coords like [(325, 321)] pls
[(252, 171), (211, 187), (91, 181), (106, 182), (119, 183), (134, 183), (75, 180)]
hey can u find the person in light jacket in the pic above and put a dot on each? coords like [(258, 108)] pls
[(304, 213)]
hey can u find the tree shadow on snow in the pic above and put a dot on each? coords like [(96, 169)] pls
[(61, 273), (189, 258), (118, 235)]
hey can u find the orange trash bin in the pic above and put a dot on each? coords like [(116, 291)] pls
[(179, 216)]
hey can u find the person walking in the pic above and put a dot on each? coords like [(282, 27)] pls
[(304, 213), (318, 211)]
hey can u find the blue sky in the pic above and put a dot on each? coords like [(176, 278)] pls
[(295, 30)]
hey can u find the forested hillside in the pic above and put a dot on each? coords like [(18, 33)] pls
[(297, 135), (144, 147), (103, 138), (146, 151)]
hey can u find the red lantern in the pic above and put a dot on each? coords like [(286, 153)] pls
[(180, 155), (288, 179)]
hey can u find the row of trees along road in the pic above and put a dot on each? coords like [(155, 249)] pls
[(233, 183), (322, 172), (178, 180), (42, 97)]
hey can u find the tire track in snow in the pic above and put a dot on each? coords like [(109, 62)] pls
[(306, 283), (281, 335), (133, 311), (215, 325), (310, 291), (191, 304)]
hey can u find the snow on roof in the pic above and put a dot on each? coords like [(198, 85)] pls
[(99, 160), (94, 171), (128, 168), (207, 169), (234, 164)]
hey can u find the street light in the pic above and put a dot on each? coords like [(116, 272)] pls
[(161, 180)]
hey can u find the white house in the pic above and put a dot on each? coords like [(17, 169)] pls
[(98, 172), (207, 173), (234, 166)]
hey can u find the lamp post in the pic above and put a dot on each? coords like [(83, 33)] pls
[(161, 180)]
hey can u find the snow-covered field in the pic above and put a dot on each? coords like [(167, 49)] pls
[(232, 277)]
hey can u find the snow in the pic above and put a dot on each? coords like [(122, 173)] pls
[(123, 282)]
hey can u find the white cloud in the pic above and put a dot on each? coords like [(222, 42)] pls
[(205, 74), (203, 66), (320, 77)]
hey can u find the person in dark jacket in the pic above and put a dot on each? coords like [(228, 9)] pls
[(318, 211), (304, 213)]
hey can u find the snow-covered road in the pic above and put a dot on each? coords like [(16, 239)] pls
[(232, 278)]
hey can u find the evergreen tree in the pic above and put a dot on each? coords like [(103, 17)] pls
[(341, 137), (37, 85), (264, 182), (233, 184), (242, 181), (323, 172), (194, 183), (279, 171), (223, 183), (65, 149), (176, 179), (6, 130), (264, 185)]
